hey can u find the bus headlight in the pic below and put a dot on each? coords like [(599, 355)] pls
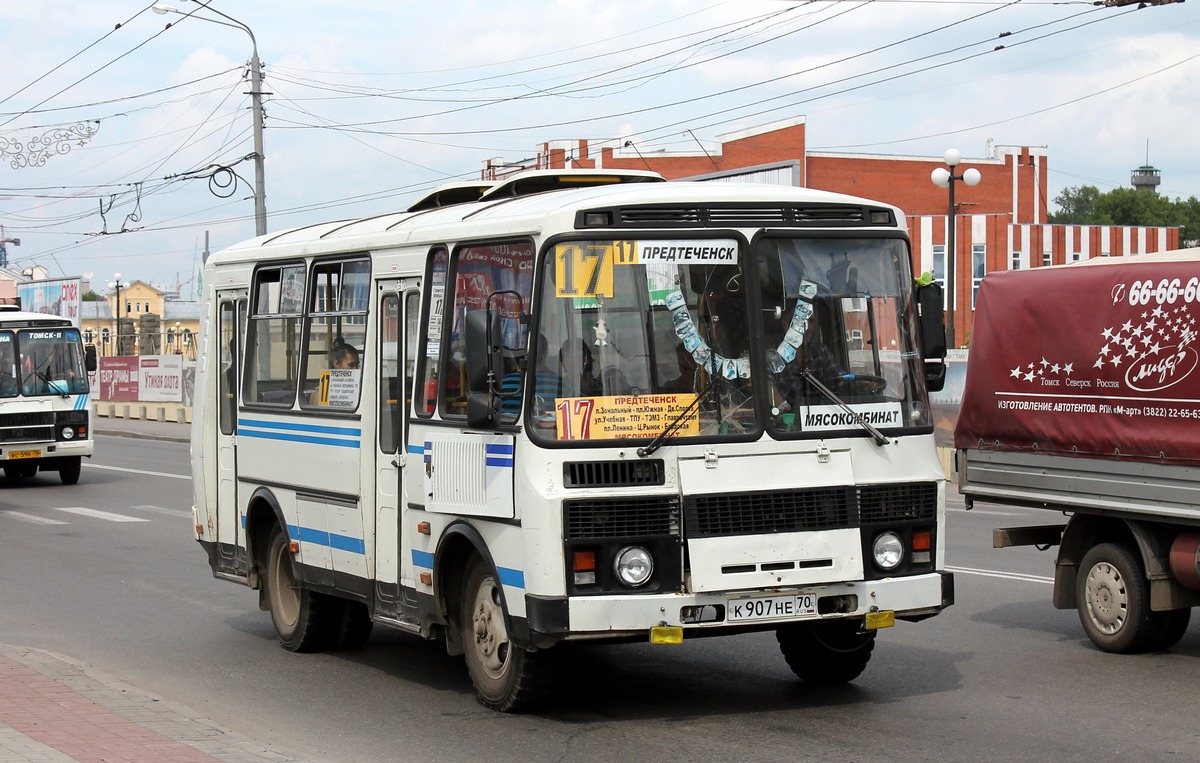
[(888, 550), (634, 566), (68, 433)]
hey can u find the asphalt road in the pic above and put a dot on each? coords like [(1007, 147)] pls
[(106, 573)]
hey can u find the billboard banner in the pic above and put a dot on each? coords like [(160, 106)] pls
[(1098, 360), (53, 297), (119, 378), (160, 378)]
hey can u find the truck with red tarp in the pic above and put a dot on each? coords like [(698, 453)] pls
[(1082, 397)]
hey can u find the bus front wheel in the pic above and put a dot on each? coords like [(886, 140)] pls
[(827, 653), (69, 470), (302, 618), (505, 676)]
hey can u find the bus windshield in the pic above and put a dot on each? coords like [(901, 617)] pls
[(36, 362), (638, 336)]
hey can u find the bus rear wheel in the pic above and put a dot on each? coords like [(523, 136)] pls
[(303, 619), (505, 676), (829, 653)]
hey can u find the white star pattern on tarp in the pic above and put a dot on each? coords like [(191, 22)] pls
[(1157, 331), (1154, 332)]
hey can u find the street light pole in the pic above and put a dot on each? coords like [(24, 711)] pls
[(116, 282), (256, 107), (944, 178)]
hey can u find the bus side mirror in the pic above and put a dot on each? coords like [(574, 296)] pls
[(89, 358), (932, 322), (483, 368)]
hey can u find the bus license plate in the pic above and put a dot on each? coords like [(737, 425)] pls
[(771, 607), (24, 454)]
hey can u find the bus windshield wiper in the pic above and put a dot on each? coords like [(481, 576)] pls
[(674, 425), (876, 435)]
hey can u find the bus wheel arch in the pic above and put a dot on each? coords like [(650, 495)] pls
[(457, 547), (262, 516)]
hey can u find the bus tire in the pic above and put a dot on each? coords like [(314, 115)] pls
[(304, 620), (506, 677), (20, 471), (355, 627), (69, 470), (1113, 599), (828, 653)]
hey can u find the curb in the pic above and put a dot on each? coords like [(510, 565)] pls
[(57, 707)]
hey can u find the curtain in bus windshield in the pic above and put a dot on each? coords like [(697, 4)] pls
[(9, 386), (640, 336), (50, 362), (482, 273), (838, 312)]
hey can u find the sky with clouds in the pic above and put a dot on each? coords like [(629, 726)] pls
[(372, 103)]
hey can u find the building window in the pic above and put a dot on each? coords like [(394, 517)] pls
[(1016, 261), (1047, 259), (978, 268), (1076, 256), (1104, 254)]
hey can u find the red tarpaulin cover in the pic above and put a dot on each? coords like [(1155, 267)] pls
[(1094, 359)]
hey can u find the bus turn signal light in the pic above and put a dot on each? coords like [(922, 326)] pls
[(922, 540)]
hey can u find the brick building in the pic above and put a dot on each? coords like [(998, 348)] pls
[(1000, 223)]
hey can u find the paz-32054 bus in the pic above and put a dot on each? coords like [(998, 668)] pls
[(577, 407), (45, 408)]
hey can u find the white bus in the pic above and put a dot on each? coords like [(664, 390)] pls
[(577, 407), (45, 407)]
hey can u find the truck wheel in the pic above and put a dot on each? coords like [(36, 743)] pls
[(303, 619), (828, 653), (69, 471), (506, 677), (1113, 599)]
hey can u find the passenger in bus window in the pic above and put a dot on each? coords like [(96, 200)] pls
[(343, 356), (686, 380), (577, 377)]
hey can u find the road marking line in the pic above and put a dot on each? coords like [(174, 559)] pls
[(97, 514), (139, 471), (164, 510), (1006, 575), (34, 518)]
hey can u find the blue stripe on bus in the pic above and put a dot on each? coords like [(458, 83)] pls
[(509, 577), (416, 450), (501, 462), (283, 431), (499, 449), (81, 402), (323, 538), (293, 427)]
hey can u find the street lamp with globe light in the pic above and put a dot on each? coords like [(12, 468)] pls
[(945, 178)]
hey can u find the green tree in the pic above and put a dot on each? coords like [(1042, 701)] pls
[(1086, 205), (91, 296), (1075, 205)]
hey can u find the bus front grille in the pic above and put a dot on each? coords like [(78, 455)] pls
[(769, 512), (633, 517), (881, 504), (29, 426)]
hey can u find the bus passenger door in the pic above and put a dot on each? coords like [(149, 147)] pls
[(225, 362), (399, 309)]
